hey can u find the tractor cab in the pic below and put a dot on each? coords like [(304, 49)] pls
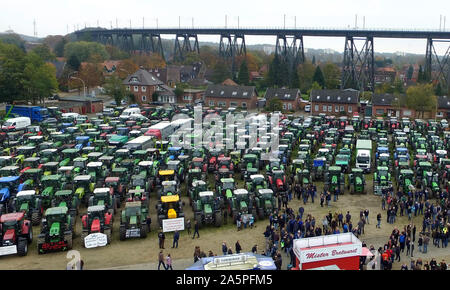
[(28, 202), (49, 185), (10, 171), (176, 166), (226, 187), (80, 164), (82, 141), (168, 188), (103, 197), (198, 163), (48, 155), (83, 186), (96, 170), (67, 173), (66, 198), (197, 186), (6, 161), (406, 179), (166, 175), (357, 181), (334, 179), (257, 181), (274, 164), (31, 179), (343, 161), (174, 152), (277, 181), (69, 155), (225, 162), (297, 165), (26, 151), (94, 156), (162, 145), (31, 162)]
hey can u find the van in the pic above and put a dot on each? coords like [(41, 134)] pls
[(128, 112), (14, 124)]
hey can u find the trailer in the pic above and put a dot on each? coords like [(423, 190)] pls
[(161, 131), (140, 143), (35, 113), (364, 155)]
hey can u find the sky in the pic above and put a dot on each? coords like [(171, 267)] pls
[(61, 16)]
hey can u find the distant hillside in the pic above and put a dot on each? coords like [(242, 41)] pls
[(25, 38)]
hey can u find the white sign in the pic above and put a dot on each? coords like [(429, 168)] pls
[(328, 253), (8, 250), (230, 259), (95, 240), (171, 225)]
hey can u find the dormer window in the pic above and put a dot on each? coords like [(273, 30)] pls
[(134, 80), (339, 98), (222, 92), (245, 94), (234, 93), (328, 97), (349, 99)]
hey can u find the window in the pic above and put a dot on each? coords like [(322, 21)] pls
[(341, 109), (187, 98), (133, 80), (284, 106), (244, 105), (245, 94), (336, 108), (221, 93), (324, 108), (211, 103), (330, 109), (144, 98), (128, 88), (233, 104), (144, 89), (350, 109), (221, 104), (234, 93), (171, 99), (316, 108), (289, 106), (380, 111), (136, 88)]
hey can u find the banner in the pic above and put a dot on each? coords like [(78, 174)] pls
[(95, 240), (328, 253), (8, 250), (171, 225)]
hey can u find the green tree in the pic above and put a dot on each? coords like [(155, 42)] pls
[(155, 96), (314, 60), (421, 98), (306, 73), (314, 86), (114, 88), (44, 52), (13, 39), (295, 80), (331, 75), (243, 75), (12, 64), (420, 75), (367, 96), (39, 80), (438, 90), (179, 92), (273, 78), (398, 86), (274, 104), (318, 77), (410, 72), (221, 72), (59, 47), (74, 62), (84, 50)]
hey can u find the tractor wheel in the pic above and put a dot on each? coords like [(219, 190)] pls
[(22, 247), (69, 238), (143, 231), (35, 218), (2, 209), (84, 234), (218, 218), (261, 213), (122, 233), (108, 235), (254, 214), (30, 235)]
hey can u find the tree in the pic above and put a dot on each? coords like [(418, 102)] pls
[(44, 52), (126, 67), (243, 75), (295, 81), (59, 47), (84, 50), (274, 104), (12, 64), (151, 61), (421, 98), (115, 53), (318, 77), (314, 86), (92, 75), (314, 60), (410, 72), (367, 96), (39, 80), (306, 73), (398, 86), (74, 63), (13, 39), (420, 75), (221, 72), (179, 92), (114, 88), (438, 90), (331, 75)]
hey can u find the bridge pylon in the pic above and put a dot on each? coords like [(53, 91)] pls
[(437, 67), (185, 46)]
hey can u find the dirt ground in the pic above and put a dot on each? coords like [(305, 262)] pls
[(135, 252)]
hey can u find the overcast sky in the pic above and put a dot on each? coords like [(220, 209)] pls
[(62, 16)]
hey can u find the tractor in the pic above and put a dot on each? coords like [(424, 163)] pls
[(133, 222), (303, 177), (169, 207), (15, 234), (66, 198), (357, 181), (208, 209), (224, 163), (68, 155), (405, 180), (196, 187), (241, 203), (319, 168), (213, 156), (97, 171), (274, 164), (30, 179), (178, 168), (236, 160), (118, 188), (51, 168), (277, 182), (50, 184), (28, 202), (198, 163), (225, 188), (104, 196), (334, 179), (56, 232), (381, 179), (256, 182), (165, 175), (168, 188), (97, 220), (264, 202), (83, 187), (249, 161), (139, 181)]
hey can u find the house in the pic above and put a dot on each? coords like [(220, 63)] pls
[(289, 97), (110, 66), (384, 75), (80, 104), (443, 107), (173, 74), (334, 102), (255, 76), (387, 105), (192, 96), (231, 96), (143, 84), (229, 82)]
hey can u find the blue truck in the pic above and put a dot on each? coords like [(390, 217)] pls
[(35, 113)]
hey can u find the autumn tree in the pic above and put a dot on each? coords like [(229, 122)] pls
[(92, 75), (114, 88), (221, 72), (44, 52), (151, 61), (421, 98), (126, 67)]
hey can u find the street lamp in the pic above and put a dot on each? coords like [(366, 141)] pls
[(84, 86)]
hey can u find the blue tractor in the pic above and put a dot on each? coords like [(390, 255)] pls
[(82, 141), (8, 189)]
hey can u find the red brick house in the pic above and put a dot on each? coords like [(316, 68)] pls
[(443, 107), (191, 96), (334, 102), (384, 75), (143, 84), (231, 96), (387, 105), (289, 97)]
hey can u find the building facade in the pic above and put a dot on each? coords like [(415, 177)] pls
[(231, 96), (334, 102), (290, 98)]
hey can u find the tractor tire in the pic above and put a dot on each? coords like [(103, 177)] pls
[(69, 238), (30, 235), (84, 234), (218, 218), (122, 232), (254, 214), (22, 247), (35, 218), (2, 209), (143, 231), (108, 236), (261, 213), (117, 201)]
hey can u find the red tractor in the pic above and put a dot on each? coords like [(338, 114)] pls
[(225, 162), (277, 182), (199, 163), (212, 162), (97, 220), (15, 234)]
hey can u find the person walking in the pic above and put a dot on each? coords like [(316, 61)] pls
[(196, 227), (161, 260), (426, 241), (161, 237), (366, 215), (149, 222), (322, 199), (169, 262), (176, 237), (238, 247)]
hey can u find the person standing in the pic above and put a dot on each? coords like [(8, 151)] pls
[(176, 237), (322, 199), (224, 248), (161, 237), (196, 227), (169, 262), (161, 260), (188, 226), (238, 248), (426, 240), (379, 220), (366, 215)]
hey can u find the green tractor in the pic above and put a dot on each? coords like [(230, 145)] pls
[(357, 182), (49, 155), (303, 177), (405, 180), (195, 175), (249, 161), (381, 179), (50, 168), (133, 222), (318, 169), (97, 220), (56, 232), (31, 179), (225, 188), (83, 187), (97, 171), (197, 187), (242, 203), (208, 209), (28, 202), (257, 182), (431, 180), (66, 198), (50, 184), (264, 202), (68, 155), (104, 196), (334, 179)]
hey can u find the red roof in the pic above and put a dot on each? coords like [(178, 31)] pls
[(16, 216)]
